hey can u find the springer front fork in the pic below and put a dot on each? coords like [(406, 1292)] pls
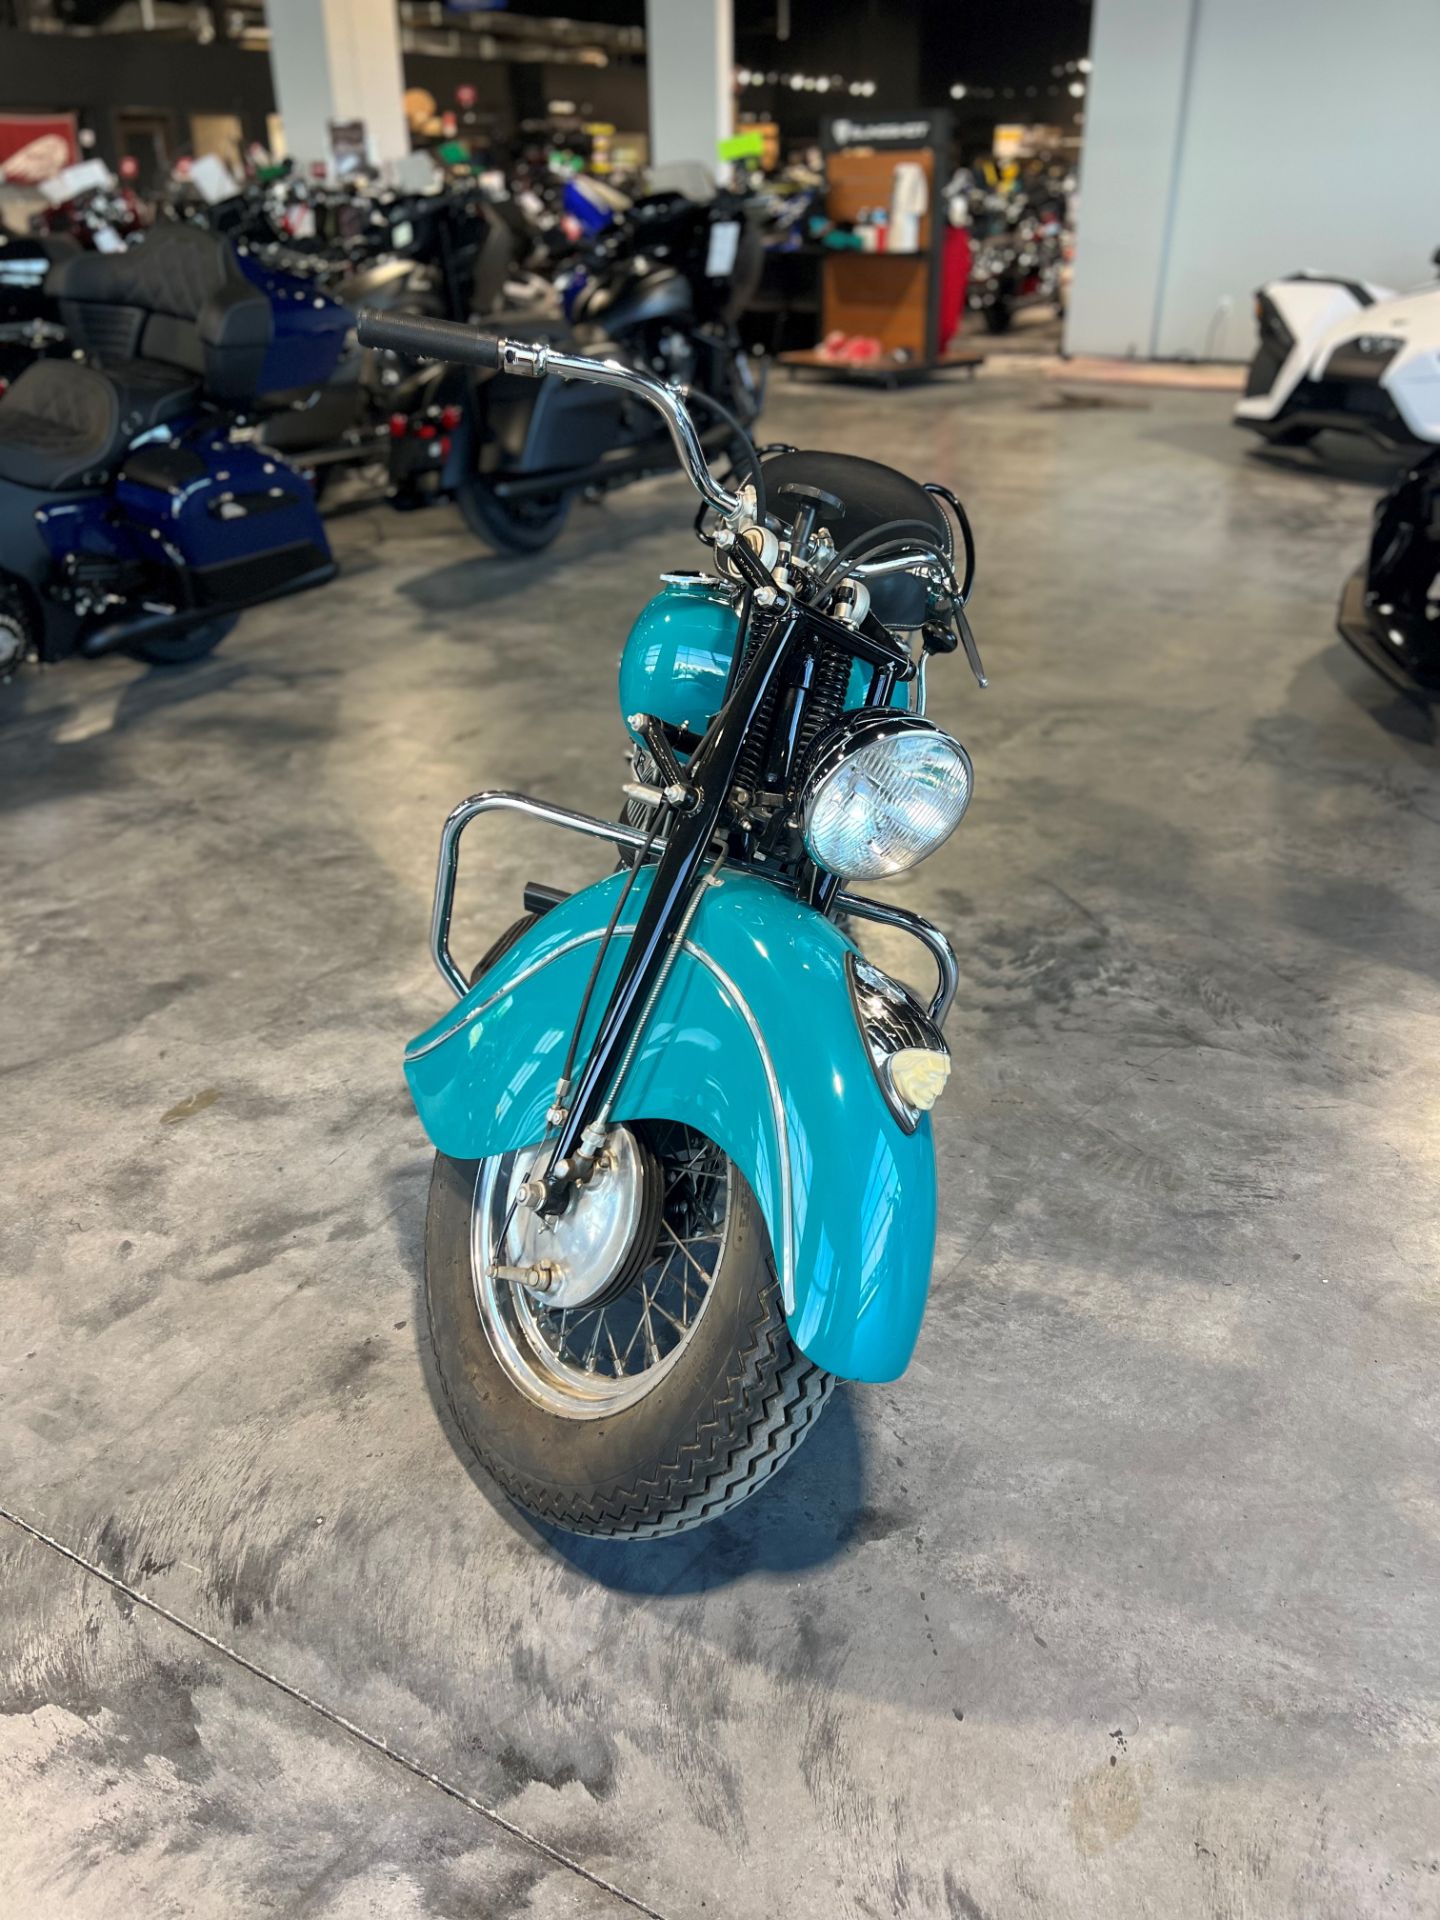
[(692, 811)]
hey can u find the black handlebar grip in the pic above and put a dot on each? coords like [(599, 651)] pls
[(421, 339)]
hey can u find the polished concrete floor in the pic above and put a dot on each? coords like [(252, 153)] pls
[(1125, 1601)]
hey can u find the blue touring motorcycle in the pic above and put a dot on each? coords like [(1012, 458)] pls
[(137, 511), (685, 1176)]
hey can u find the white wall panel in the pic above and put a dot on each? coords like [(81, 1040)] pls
[(1231, 141)]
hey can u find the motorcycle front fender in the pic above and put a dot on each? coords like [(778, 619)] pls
[(753, 1041)]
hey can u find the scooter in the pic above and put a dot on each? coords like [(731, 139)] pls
[(1344, 355), (1390, 606), (133, 514), (663, 291), (684, 1177)]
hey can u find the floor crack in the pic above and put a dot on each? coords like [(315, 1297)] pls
[(372, 1740)]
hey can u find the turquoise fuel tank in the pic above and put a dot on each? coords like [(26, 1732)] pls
[(677, 660)]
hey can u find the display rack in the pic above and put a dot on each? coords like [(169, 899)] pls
[(892, 297)]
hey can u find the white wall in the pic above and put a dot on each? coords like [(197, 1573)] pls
[(1228, 142)]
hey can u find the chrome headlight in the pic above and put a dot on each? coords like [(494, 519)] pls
[(881, 792)]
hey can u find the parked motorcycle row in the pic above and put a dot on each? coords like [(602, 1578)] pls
[(1346, 356), (175, 406)]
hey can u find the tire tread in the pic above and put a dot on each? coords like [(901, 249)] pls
[(773, 1397)]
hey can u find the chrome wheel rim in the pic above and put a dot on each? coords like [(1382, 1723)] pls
[(583, 1363)]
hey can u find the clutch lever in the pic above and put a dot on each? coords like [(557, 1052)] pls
[(967, 641), (942, 639)]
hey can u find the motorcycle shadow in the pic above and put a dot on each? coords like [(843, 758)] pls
[(1405, 716), (806, 1517), (1336, 456), (485, 577)]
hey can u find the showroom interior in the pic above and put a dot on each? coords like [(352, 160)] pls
[(720, 817)]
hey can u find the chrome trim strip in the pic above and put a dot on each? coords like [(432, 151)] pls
[(787, 1256), (525, 973)]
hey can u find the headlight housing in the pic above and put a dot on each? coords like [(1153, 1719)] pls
[(881, 792)]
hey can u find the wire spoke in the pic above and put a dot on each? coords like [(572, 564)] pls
[(706, 1277), (590, 1352), (614, 1347), (680, 1326)]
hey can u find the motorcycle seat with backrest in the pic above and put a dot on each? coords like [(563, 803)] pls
[(171, 321)]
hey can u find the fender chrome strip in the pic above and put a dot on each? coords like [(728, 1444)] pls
[(525, 973), (777, 1108), (787, 1253)]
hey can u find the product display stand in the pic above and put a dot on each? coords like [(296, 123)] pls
[(889, 295)]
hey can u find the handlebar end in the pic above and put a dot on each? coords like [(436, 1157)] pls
[(420, 338)]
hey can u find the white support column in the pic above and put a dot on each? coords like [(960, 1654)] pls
[(689, 51), (1134, 120), (338, 60)]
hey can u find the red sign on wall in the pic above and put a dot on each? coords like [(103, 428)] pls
[(33, 146)]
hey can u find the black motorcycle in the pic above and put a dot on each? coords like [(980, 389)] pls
[(448, 254), (1019, 263), (30, 323), (1390, 608), (660, 294)]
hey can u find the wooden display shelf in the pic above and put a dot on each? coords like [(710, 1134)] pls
[(891, 298)]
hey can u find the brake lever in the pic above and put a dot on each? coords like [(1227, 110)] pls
[(967, 640), (942, 639)]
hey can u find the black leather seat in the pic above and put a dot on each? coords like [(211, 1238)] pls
[(171, 321), (64, 425), (871, 497)]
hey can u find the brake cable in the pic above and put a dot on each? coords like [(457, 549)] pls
[(872, 543), (563, 1086)]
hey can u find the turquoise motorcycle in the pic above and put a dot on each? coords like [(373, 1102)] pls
[(684, 1177)]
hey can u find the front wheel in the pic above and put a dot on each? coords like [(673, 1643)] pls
[(998, 316), (652, 1383), (514, 526)]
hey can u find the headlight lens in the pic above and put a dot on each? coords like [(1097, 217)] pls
[(885, 791)]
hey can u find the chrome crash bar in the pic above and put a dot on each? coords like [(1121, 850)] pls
[(930, 937)]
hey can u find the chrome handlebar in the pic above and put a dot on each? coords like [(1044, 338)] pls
[(535, 361), (425, 339)]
